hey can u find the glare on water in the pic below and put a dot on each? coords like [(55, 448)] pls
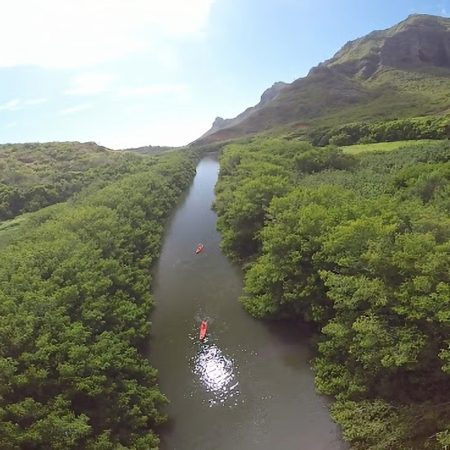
[(216, 372)]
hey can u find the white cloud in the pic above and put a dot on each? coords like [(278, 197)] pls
[(74, 109), (155, 89), (12, 105), (90, 83), (97, 83), (69, 33), (157, 133), (17, 103), (35, 101)]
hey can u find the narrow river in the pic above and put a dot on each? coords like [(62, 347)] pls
[(249, 386)]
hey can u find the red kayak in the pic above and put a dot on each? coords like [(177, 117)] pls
[(199, 249), (203, 329)]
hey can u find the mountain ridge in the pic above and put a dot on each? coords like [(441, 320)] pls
[(402, 71)]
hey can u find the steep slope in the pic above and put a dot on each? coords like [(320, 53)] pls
[(403, 71)]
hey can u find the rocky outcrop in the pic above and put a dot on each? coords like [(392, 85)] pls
[(272, 92), (220, 123)]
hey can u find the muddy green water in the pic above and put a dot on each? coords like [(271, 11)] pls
[(249, 386)]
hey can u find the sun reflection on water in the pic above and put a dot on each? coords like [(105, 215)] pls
[(216, 372)]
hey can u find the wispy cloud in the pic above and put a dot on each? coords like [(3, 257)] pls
[(16, 104), (11, 125), (74, 109), (155, 89), (12, 105), (90, 83), (86, 32), (35, 101)]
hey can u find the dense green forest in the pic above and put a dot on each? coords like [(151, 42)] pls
[(75, 303), (358, 245), (36, 175)]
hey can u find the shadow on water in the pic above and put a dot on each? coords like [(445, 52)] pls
[(291, 331)]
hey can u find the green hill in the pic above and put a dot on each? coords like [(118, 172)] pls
[(400, 72), (34, 175)]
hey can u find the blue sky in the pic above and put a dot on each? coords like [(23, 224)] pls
[(139, 72)]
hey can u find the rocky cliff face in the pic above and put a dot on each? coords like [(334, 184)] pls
[(417, 46), (419, 41), (397, 60)]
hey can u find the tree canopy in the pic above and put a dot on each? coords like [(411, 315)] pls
[(75, 304), (33, 175), (359, 246)]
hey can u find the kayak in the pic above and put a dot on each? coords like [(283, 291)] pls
[(199, 248), (203, 329)]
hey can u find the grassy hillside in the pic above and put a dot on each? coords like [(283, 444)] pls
[(385, 146), (36, 175), (151, 149), (11, 228), (327, 98)]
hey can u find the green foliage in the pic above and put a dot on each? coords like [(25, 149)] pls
[(317, 160), (37, 175), (434, 127), (242, 200), (383, 146), (75, 303), (360, 246), (284, 276)]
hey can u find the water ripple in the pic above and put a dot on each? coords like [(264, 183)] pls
[(216, 373)]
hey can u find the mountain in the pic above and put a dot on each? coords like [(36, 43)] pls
[(403, 71), (266, 97)]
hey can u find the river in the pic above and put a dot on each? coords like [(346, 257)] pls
[(248, 386)]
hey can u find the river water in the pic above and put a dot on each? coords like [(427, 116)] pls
[(248, 386)]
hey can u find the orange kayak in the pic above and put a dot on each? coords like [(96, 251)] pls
[(203, 329), (199, 248)]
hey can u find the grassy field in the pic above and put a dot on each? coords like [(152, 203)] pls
[(9, 228), (382, 146), (13, 229)]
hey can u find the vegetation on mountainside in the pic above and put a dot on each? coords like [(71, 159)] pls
[(10, 228), (360, 246), (151, 149), (384, 146), (33, 176), (389, 131), (75, 303)]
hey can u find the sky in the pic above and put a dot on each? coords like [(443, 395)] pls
[(130, 73)]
